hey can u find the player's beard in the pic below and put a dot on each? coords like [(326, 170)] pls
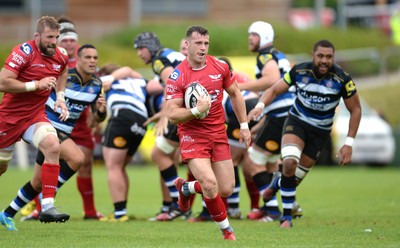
[(253, 47), (48, 50), (317, 69)]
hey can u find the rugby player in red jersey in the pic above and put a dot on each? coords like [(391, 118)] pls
[(82, 135), (30, 73), (203, 142)]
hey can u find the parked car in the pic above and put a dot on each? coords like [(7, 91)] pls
[(374, 144)]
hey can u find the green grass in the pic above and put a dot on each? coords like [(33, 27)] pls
[(339, 205)]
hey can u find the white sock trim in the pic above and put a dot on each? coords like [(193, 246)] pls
[(47, 201), (191, 187), (272, 203), (223, 224)]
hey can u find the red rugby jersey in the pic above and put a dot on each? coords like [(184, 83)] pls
[(215, 76), (29, 64)]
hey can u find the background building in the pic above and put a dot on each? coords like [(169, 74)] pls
[(95, 18)]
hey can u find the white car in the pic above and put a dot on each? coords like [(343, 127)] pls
[(374, 144)]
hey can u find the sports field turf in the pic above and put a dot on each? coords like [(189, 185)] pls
[(350, 206)]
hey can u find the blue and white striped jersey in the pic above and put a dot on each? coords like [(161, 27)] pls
[(164, 58), (127, 93), (154, 103), (78, 96), (317, 98), (280, 106)]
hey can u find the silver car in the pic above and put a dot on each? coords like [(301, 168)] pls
[(374, 144)]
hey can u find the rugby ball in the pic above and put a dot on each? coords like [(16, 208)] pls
[(192, 93)]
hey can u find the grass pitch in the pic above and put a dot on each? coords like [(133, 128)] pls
[(349, 206)]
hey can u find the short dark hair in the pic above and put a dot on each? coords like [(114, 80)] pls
[(196, 29), (85, 46), (64, 18), (323, 43)]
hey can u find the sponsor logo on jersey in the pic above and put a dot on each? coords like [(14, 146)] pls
[(38, 65), (56, 67), (158, 66), (302, 72), (187, 151), (17, 58), (315, 98), (264, 58), (175, 74), (289, 128), (62, 50), (214, 95), (170, 88), (74, 106), (26, 48), (215, 77), (350, 87), (187, 138), (11, 64)]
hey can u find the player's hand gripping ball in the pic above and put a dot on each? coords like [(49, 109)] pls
[(192, 93)]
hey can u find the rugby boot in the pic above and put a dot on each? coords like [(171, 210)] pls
[(52, 215)]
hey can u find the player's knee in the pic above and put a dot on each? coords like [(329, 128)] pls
[(226, 188), (226, 191), (48, 134), (260, 158), (86, 167), (210, 186), (76, 161), (164, 146), (85, 171), (291, 153)]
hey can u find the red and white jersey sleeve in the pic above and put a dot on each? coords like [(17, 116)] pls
[(29, 64), (215, 76)]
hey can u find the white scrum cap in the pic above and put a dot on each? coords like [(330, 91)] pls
[(68, 33), (264, 30)]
